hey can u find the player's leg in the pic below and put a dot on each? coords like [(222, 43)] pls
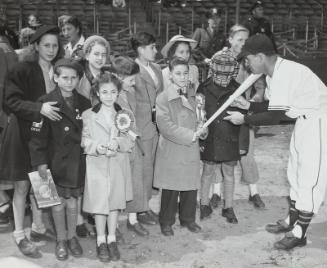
[(206, 180)]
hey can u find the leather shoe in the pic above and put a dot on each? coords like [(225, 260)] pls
[(61, 251), (113, 251), (75, 247), (290, 241), (257, 201), (147, 218), (166, 230), (229, 214), (279, 227), (47, 236), (28, 248), (205, 211), (103, 252), (137, 228), (192, 227), (215, 201)]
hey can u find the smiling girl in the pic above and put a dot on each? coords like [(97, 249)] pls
[(108, 176)]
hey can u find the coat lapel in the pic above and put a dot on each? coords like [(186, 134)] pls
[(159, 75)]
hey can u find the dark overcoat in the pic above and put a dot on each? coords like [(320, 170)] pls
[(222, 143), (25, 85), (58, 143)]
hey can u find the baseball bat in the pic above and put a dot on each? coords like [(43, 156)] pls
[(238, 92)]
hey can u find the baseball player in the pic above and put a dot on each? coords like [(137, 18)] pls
[(295, 91)]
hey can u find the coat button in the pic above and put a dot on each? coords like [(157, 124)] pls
[(66, 128)]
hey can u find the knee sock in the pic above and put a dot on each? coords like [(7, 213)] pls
[(293, 214), (71, 213), (300, 229), (37, 225), (80, 218), (58, 214)]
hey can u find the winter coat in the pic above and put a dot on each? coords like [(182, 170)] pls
[(222, 143), (177, 164), (58, 143), (108, 179), (146, 93), (25, 86)]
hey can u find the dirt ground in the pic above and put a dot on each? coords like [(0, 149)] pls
[(220, 244)]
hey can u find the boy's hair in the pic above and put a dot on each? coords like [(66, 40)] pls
[(172, 49), (177, 61), (75, 22), (142, 39), (124, 66), (105, 78)]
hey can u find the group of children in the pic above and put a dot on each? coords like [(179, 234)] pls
[(101, 169)]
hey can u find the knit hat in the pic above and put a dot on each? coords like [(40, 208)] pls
[(224, 67), (95, 38)]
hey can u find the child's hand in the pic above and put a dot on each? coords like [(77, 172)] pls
[(42, 169), (101, 149), (200, 132), (113, 145)]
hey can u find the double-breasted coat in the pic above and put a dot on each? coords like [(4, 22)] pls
[(58, 143), (222, 143), (108, 178), (25, 85), (177, 165)]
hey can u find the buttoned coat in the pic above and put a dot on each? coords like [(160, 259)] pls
[(146, 93), (25, 85), (58, 143), (108, 179), (177, 165)]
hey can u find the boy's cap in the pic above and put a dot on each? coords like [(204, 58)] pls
[(259, 43), (42, 31), (70, 64), (256, 4)]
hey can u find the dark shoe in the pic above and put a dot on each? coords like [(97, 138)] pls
[(257, 201), (147, 218), (48, 236), (215, 201), (103, 252), (192, 227), (81, 230), (61, 251), (113, 251), (137, 228), (28, 248), (279, 227), (75, 247), (205, 211), (290, 241), (166, 230), (229, 214)]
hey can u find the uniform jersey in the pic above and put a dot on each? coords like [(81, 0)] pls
[(295, 89)]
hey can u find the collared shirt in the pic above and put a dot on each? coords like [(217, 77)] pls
[(69, 49), (150, 71), (294, 88)]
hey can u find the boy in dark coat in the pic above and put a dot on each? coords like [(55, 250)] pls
[(56, 144), (221, 148)]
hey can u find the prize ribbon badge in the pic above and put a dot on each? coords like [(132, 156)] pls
[(124, 121)]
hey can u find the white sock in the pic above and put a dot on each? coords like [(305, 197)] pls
[(297, 231), (18, 235), (211, 191), (217, 188), (287, 220), (111, 238), (101, 239), (132, 218), (4, 207), (39, 229), (253, 189)]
